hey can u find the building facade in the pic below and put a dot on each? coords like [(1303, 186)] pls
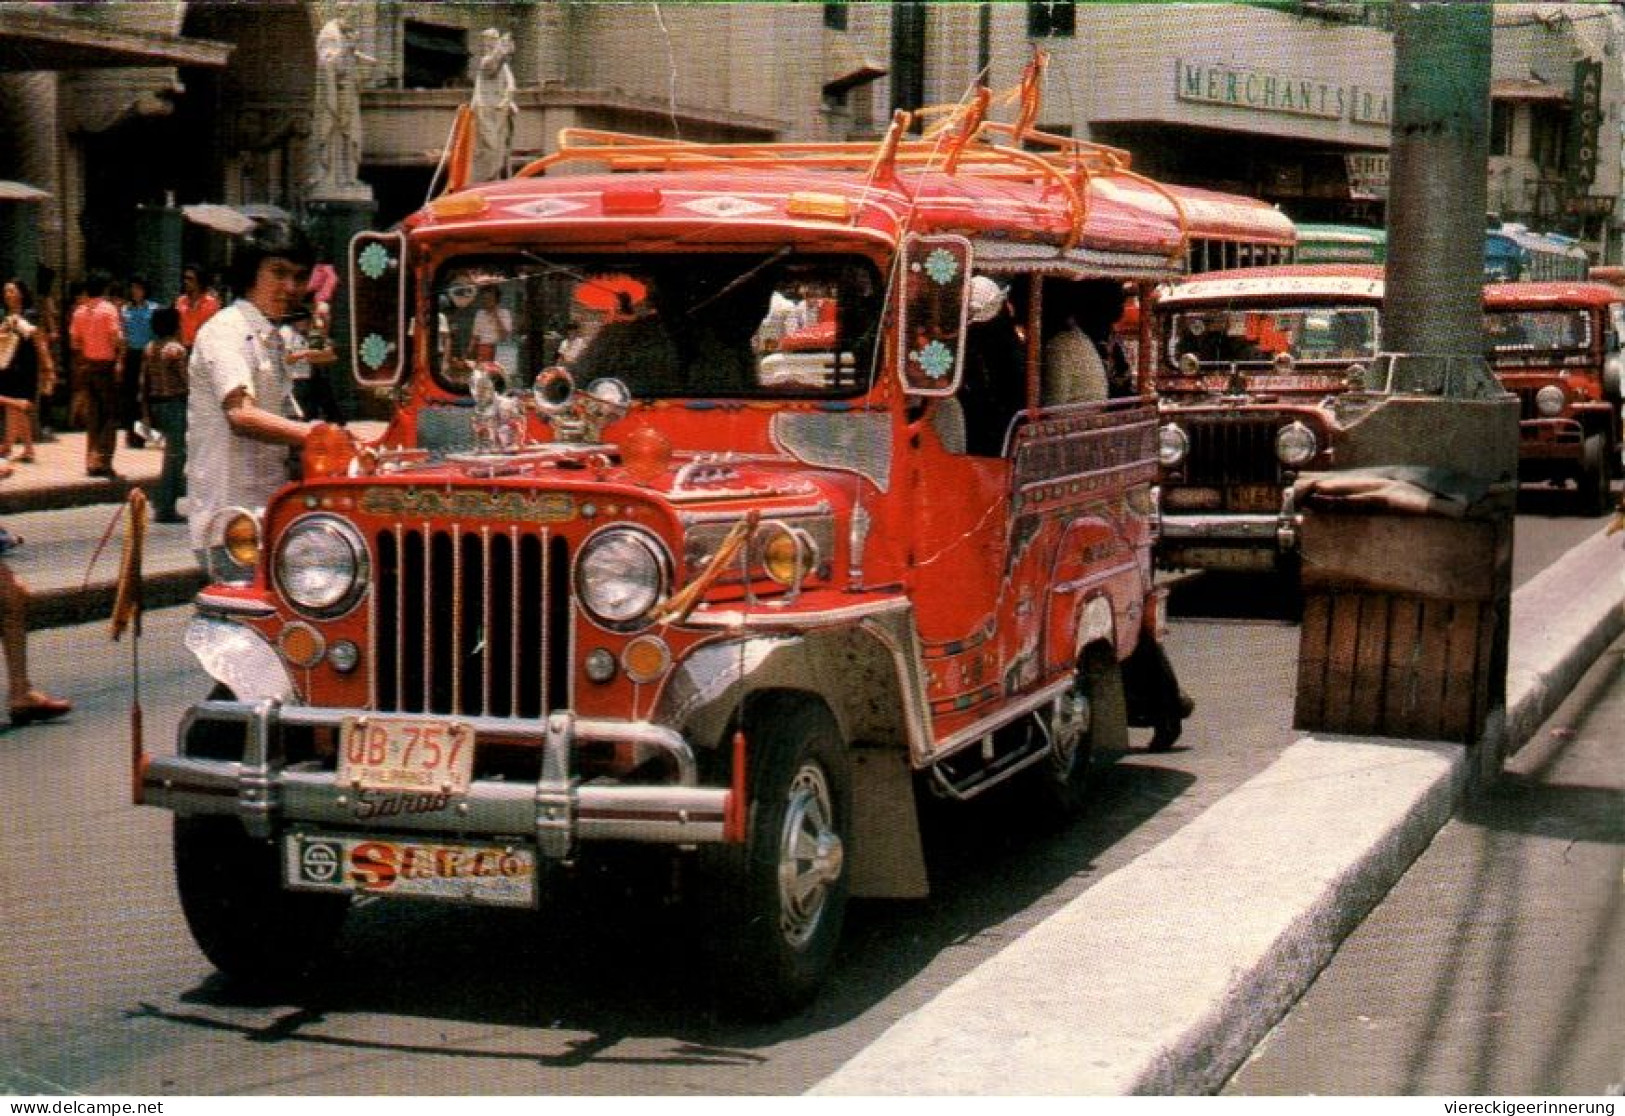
[(210, 102)]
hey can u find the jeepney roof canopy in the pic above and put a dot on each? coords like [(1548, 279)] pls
[(1550, 294), (1287, 281), (1067, 207)]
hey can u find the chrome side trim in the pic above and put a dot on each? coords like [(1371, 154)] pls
[(784, 620)]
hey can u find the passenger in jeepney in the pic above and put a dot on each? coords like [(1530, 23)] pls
[(994, 387), (632, 343), (1208, 338), (1073, 369)]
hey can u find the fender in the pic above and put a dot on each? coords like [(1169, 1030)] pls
[(867, 672), (868, 675)]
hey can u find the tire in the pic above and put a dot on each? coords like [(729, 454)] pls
[(1595, 497), (781, 896), (242, 919), (1089, 721)]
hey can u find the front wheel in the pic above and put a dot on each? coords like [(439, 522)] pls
[(782, 895), (1594, 490), (241, 917)]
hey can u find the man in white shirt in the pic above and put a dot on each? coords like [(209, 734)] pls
[(239, 428)]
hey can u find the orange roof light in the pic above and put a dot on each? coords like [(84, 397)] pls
[(830, 207)]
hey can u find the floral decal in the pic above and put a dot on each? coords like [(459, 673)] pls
[(941, 265), (934, 360), (375, 350), (374, 261)]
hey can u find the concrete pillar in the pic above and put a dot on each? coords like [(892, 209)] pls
[(1407, 549), (156, 251), (19, 240)]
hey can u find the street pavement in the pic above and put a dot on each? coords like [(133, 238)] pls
[(1496, 967), (1162, 978), (1166, 975)]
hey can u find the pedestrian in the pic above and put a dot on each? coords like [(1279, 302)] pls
[(308, 356), (163, 389), (26, 369), (238, 415), (27, 704), (195, 303), (136, 317), (493, 325), (97, 336)]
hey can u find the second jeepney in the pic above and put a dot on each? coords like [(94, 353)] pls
[(705, 521), (1249, 361)]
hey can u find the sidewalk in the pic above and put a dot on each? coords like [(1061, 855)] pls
[(62, 516), (1163, 977)]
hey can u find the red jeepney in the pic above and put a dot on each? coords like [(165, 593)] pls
[(1248, 364), (1557, 346), (743, 535)]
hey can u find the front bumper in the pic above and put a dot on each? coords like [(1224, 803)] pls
[(555, 811), (1228, 540), (1550, 444)]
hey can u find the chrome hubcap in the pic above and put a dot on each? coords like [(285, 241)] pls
[(811, 855), (1069, 726)]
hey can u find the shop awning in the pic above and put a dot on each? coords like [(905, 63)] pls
[(220, 218), (1527, 89), (32, 40)]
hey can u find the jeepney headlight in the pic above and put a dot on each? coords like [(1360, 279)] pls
[(1295, 445), (1549, 400), (620, 575), (1172, 445), (321, 565)]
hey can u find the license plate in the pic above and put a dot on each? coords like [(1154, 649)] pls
[(1256, 498), (483, 874), (406, 754)]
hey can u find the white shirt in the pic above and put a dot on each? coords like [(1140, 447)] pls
[(492, 326), (1073, 370), (237, 348)]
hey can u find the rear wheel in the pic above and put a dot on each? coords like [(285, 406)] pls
[(1089, 720), (781, 897), (1595, 494), (243, 920)]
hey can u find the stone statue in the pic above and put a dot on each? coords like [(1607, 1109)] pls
[(494, 108), (337, 124)]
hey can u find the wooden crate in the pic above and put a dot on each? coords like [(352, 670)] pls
[(1404, 625)]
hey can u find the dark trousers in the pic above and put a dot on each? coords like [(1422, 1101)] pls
[(169, 419), (101, 387), (129, 409)]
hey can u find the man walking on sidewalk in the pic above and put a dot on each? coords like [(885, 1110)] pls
[(97, 337), (238, 408)]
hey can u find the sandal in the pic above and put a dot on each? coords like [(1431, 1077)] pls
[(39, 706), (25, 458)]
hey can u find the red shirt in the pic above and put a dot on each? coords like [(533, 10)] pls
[(95, 330), (193, 313)]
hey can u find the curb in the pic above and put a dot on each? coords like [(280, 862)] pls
[(1163, 977), (77, 493), (59, 608)]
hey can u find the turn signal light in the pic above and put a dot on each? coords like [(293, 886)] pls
[(242, 540), (328, 451)]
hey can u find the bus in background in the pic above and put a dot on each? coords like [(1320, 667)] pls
[(1513, 254), (1356, 244), (1226, 231)]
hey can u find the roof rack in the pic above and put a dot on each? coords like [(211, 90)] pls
[(964, 142)]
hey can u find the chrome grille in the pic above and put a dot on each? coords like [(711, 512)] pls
[(1232, 450), (472, 622)]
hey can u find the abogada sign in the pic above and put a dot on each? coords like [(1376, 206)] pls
[(1259, 90)]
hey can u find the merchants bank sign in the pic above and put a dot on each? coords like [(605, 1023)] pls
[(1262, 90)]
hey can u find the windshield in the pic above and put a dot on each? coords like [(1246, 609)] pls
[(1507, 331), (1306, 334), (763, 324)]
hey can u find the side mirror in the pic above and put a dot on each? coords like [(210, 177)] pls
[(935, 280), (378, 307)]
